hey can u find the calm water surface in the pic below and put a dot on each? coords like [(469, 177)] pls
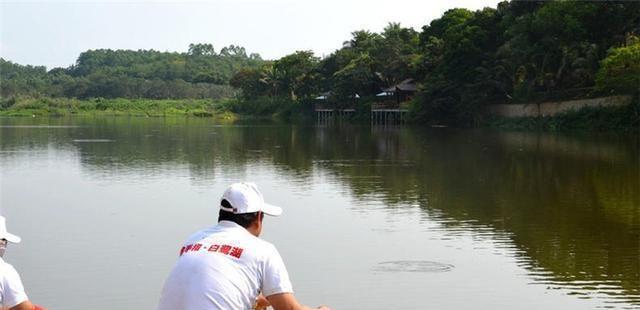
[(375, 218)]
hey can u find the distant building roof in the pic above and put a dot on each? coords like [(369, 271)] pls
[(324, 96), (384, 94), (327, 94), (408, 85)]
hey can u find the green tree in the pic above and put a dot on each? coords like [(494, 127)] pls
[(358, 77), (620, 71), (295, 73), (201, 49), (250, 81)]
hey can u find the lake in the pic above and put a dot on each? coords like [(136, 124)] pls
[(374, 217)]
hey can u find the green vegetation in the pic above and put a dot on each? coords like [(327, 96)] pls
[(120, 106), (228, 108), (620, 71), (199, 73), (519, 52)]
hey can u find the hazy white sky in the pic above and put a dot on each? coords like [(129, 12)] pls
[(54, 32)]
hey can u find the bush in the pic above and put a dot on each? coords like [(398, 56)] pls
[(201, 113), (6, 103), (620, 71), (261, 106)]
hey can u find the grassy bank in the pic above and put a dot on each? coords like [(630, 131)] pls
[(229, 109), (623, 118), (100, 106)]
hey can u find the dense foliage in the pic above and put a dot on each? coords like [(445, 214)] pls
[(620, 71), (199, 73), (520, 51)]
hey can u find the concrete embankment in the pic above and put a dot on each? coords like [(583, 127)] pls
[(554, 108)]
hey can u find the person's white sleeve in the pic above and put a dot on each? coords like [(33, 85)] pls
[(12, 290), (276, 279)]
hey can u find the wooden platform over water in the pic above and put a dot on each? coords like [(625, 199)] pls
[(381, 114), (388, 113), (326, 116)]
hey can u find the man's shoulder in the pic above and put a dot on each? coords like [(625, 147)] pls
[(6, 268), (266, 245), (8, 273), (267, 249)]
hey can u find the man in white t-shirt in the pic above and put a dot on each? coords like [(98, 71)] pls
[(12, 295), (226, 266)]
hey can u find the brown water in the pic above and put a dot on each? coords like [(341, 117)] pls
[(375, 218)]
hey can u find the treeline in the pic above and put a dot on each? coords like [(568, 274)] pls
[(199, 73), (521, 51)]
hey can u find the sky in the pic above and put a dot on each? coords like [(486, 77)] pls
[(53, 33)]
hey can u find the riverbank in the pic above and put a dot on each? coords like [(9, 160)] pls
[(619, 118), (115, 107), (228, 108)]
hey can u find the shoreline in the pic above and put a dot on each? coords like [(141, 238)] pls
[(616, 118)]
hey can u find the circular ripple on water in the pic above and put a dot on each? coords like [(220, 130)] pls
[(412, 266)]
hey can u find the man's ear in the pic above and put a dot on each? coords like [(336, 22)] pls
[(258, 220)]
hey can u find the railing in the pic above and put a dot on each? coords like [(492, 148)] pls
[(390, 105), (325, 107), (320, 107)]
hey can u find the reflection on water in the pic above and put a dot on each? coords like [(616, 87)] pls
[(564, 208)]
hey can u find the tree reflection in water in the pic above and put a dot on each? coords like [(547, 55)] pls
[(569, 204)]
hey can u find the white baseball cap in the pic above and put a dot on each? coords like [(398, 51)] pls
[(246, 198), (4, 234)]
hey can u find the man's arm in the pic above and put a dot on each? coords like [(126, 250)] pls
[(13, 293), (286, 301), (26, 305)]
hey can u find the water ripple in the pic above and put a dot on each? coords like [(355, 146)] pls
[(412, 266)]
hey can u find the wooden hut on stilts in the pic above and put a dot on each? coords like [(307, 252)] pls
[(391, 108)]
